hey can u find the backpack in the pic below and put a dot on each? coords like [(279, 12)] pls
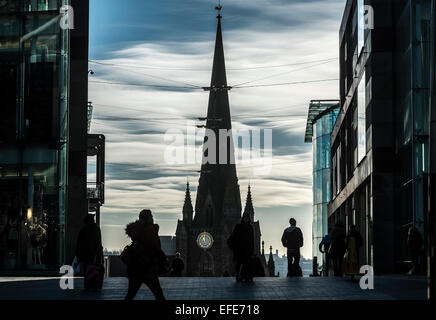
[(133, 255)]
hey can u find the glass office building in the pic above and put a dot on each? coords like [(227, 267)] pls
[(38, 125), (321, 119), (412, 66), (380, 140)]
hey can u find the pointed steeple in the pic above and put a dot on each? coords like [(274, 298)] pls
[(270, 255), (218, 98), (218, 179), (218, 112), (249, 205), (187, 206), (271, 264)]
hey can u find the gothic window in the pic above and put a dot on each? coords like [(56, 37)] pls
[(207, 265)]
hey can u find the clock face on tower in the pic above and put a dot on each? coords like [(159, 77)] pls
[(205, 240)]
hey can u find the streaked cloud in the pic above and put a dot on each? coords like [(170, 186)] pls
[(135, 118)]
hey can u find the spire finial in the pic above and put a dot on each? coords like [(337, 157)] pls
[(218, 8)]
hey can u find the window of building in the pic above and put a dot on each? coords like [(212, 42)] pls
[(361, 119), (334, 175), (345, 52), (360, 26), (346, 85), (338, 169)]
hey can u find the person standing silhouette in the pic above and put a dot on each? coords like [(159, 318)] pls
[(89, 249), (325, 243), (353, 242), (241, 242), (144, 256), (292, 239), (414, 244), (177, 266), (337, 248)]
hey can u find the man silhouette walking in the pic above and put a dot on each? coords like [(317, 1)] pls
[(292, 239)]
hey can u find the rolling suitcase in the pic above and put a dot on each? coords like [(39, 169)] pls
[(94, 276)]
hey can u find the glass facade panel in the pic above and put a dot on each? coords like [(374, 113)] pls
[(33, 134), (322, 128)]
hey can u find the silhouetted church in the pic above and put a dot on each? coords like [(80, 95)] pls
[(202, 239)]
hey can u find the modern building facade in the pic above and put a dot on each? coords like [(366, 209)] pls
[(202, 239), (431, 252), (43, 131), (380, 139), (320, 121)]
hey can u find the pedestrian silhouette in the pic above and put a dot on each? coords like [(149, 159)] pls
[(292, 239), (177, 266), (325, 244), (414, 244), (353, 243), (143, 256), (89, 252), (241, 242), (337, 248)]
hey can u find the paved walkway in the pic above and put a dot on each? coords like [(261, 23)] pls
[(386, 287)]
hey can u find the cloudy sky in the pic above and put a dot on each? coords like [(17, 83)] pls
[(149, 57)]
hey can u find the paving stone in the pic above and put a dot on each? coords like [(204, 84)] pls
[(320, 288)]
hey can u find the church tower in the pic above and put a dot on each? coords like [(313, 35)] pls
[(202, 239), (218, 196)]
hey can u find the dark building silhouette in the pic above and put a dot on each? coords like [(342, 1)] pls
[(44, 141), (381, 136), (263, 259), (202, 239)]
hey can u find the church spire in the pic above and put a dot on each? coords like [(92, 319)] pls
[(187, 206), (218, 8), (218, 185), (271, 264), (218, 115), (249, 205)]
